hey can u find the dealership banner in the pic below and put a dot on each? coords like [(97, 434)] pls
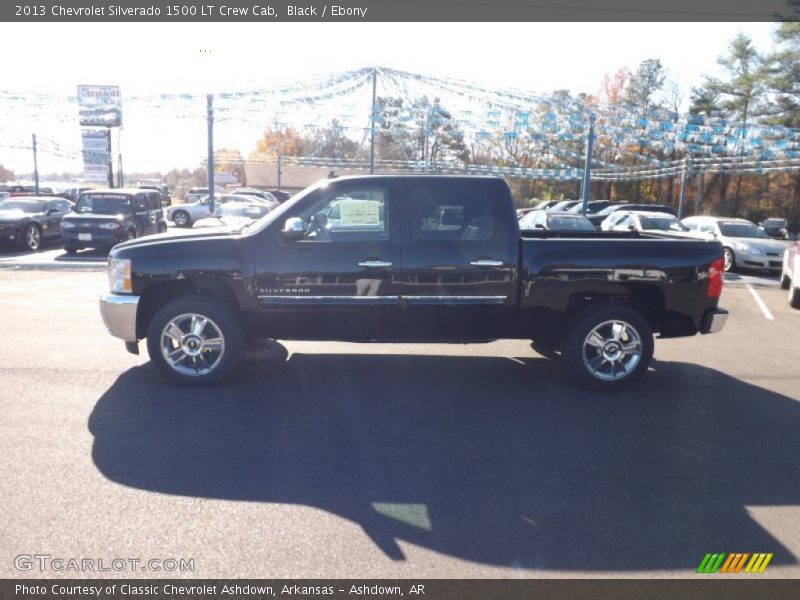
[(99, 106), (95, 154), (243, 11)]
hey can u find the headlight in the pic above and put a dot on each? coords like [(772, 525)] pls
[(119, 275), (108, 225), (67, 225)]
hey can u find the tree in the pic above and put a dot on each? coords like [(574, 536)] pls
[(230, 160), (612, 88), (6, 174), (332, 142), (281, 140), (783, 76), (644, 83)]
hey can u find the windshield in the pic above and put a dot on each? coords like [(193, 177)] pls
[(25, 206), (662, 224), (104, 204), (565, 223), (741, 230), (774, 223)]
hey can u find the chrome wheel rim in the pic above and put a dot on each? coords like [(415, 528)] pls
[(32, 238), (728, 256), (180, 219), (192, 344), (612, 350)]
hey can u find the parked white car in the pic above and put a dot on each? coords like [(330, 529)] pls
[(744, 244), (642, 220), (183, 215)]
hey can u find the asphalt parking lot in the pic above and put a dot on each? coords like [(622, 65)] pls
[(348, 460)]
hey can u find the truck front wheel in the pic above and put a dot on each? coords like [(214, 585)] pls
[(608, 346), (195, 340)]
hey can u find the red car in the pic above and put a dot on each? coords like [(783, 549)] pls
[(790, 275)]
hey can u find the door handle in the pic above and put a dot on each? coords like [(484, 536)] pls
[(375, 264), (486, 262)]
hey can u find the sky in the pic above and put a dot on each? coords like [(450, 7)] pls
[(200, 58)]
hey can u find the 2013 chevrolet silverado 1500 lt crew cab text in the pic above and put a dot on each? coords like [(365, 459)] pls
[(410, 258)]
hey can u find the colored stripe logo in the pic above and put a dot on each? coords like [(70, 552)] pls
[(734, 562)]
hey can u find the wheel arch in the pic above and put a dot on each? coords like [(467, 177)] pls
[(158, 294)]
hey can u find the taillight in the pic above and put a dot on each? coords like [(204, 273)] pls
[(716, 274)]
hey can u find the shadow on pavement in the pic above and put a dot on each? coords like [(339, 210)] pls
[(488, 459)]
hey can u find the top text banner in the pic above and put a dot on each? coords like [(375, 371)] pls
[(236, 11)]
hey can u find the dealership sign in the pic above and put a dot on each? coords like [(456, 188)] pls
[(99, 106), (95, 155)]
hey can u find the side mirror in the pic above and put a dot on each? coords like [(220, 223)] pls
[(631, 227), (51, 211), (538, 226), (293, 229)]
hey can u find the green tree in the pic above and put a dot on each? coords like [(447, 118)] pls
[(644, 83), (783, 76)]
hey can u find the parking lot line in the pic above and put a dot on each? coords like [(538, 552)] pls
[(760, 302)]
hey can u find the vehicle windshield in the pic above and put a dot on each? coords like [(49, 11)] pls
[(741, 230), (609, 209), (28, 206), (566, 223), (774, 223), (104, 204), (662, 224)]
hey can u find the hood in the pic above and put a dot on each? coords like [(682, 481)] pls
[(169, 237), (15, 214), (760, 244), (89, 217)]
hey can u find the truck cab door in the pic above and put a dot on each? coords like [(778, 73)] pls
[(338, 278), (460, 242)]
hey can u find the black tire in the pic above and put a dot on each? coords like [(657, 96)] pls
[(794, 296), (730, 259), (181, 218), (785, 281), (70, 250), (222, 320), (162, 228), (32, 238), (130, 235), (601, 317)]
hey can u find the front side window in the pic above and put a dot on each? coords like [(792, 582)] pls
[(358, 215)]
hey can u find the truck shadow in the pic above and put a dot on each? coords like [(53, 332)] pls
[(488, 459)]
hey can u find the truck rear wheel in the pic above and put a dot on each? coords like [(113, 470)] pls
[(195, 340), (608, 346)]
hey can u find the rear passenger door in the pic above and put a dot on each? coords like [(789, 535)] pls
[(459, 274)]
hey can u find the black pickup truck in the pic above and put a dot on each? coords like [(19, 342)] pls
[(410, 258)]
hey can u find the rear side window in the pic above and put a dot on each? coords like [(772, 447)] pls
[(444, 212)]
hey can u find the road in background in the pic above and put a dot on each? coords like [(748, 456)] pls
[(398, 460)]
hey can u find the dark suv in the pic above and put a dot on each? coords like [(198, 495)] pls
[(103, 218)]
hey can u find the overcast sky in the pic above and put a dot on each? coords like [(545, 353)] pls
[(167, 57)]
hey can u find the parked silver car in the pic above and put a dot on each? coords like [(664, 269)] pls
[(642, 220), (183, 215), (744, 243)]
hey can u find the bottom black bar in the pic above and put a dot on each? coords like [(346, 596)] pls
[(704, 587)]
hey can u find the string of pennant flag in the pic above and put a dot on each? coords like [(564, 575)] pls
[(555, 125)]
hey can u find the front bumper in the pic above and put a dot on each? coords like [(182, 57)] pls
[(100, 238), (770, 261), (714, 320), (9, 234), (119, 315)]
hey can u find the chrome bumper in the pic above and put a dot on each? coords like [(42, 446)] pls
[(119, 315), (714, 320)]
